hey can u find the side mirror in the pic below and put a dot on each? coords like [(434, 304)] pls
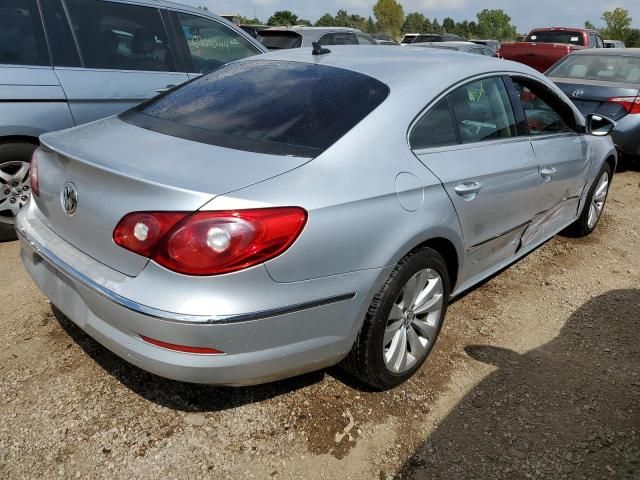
[(598, 125)]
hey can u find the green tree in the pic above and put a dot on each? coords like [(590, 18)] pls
[(414, 23), (633, 39), (448, 25), (326, 20), (283, 18), (618, 24), (342, 19), (249, 21), (435, 27), (427, 26), (305, 22), (495, 24), (588, 25), (390, 16), (371, 26)]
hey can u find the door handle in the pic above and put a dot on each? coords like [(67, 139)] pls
[(548, 172), (468, 190), (166, 89)]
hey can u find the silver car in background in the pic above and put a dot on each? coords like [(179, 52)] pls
[(118, 54), (282, 38), (268, 219)]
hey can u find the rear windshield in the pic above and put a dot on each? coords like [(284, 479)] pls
[(556, 36), (427, 38), (275, 107), (611, 68), (280, 40)]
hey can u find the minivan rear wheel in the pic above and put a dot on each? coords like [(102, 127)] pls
[(403, 321), (15, 186)]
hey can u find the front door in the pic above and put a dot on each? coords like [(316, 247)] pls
[(563, 157), (489, 172)]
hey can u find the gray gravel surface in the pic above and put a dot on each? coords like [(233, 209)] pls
[(535, 376)]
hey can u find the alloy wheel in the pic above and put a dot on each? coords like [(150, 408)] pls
[(414, 321), (597, 203), (15, 189)]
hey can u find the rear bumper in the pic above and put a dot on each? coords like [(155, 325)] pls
[(259, 346)]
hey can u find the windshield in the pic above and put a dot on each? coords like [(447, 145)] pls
[(556, 36), (612, 68), (276, 107)]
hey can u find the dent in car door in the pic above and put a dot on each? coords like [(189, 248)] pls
[(563, 157), (126, 57), (491, 178)]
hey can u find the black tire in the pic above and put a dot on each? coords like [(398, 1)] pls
[(581, 228), (366, 360), (11, 152)]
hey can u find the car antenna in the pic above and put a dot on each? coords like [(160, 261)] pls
[(319, 50)]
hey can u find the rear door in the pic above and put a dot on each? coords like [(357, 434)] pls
[(125, 57), (563, 155), (471, 142)]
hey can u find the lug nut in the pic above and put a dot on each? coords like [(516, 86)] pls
[(24, 198), (15, 184), (13, 200), (25, 188), (7, 192)]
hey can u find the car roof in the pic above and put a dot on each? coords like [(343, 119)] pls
[(430, 67), (627, 52)]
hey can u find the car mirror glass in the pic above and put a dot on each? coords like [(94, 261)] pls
[(599, 125)]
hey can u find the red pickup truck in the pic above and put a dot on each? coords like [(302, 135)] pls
[(545, 46)]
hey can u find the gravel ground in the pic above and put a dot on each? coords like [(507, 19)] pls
[(535, 375)]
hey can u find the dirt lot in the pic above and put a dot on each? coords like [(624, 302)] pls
[(536, 375)]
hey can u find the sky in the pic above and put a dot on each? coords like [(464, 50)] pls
[(525, 14)]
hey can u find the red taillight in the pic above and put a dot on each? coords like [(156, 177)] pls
[(141, 232), (630, 104), (33, 174), (182, 348), (211, 243)]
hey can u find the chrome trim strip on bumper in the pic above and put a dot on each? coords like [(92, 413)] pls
[(79, 277)]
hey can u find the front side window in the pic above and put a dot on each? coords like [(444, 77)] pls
[(277, 107), (119, 36), (434, 129), (280, 39), (483, 111), (21, 37), (545, 113), (212, 44)]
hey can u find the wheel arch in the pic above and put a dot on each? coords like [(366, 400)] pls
[(447, 249), (20, 139)]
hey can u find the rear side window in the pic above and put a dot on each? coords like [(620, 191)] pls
[(120, 36), (212, 44), (277, 107), (21, 36), (280, 40), (483, 111), (61, 41), (434, 129), (365, 39)]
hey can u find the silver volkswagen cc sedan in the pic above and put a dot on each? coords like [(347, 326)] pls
[(293, 211)]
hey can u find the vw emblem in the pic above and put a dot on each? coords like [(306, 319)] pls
[(577, 93), (69, 199)]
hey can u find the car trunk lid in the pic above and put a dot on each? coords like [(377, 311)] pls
[(117, 168), (591, 96)]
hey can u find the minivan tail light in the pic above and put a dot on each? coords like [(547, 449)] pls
[(630, 104), (33, 174), (211, 243)]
